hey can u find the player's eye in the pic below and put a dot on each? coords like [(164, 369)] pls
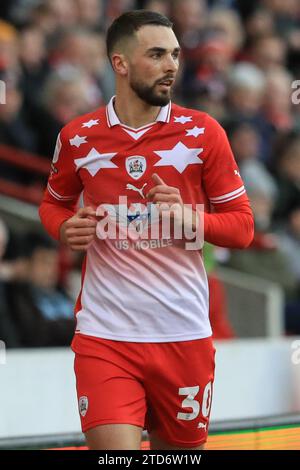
[(157, 55)]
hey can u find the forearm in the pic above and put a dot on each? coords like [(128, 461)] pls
[(53, 215), (231, 229)]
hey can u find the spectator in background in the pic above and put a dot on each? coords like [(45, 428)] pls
[(190, 18), (52, 16), (246, 88), (246, 91), (90, 14), (286, 18), (259, 23), (288, 175), (210, 76), (226, 24), (85, 50), (246, 146), (160, 6), (114, 8), (42, 313), (66, 95), (34, 65), (268, 53), (189, 25), (15, 129), (80, 48), (42, 17), (8, 48), (277, 100), (63, 12), (14, 126)]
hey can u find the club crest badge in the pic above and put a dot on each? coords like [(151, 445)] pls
[(136, 166), (83, 405)]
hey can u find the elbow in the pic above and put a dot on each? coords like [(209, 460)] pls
[(246, 242), (248, 234)]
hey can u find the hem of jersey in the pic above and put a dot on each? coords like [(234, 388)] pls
[(175, 442), (146, 339), (101, 422)]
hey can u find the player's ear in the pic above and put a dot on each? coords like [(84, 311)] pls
[(120, 64)]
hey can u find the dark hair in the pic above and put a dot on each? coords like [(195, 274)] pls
[(128, 23)]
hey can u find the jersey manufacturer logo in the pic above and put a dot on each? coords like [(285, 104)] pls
[(53, 171), (57, 149), (136, 166), (139, 190), (202, 426), (83, 405)]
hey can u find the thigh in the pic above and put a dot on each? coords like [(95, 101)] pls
[(179, 393), (114, 437), (109, 391)]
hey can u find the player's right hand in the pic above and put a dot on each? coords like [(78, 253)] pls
[(79, 231)]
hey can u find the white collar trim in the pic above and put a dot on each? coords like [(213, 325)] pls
[(113, 120)]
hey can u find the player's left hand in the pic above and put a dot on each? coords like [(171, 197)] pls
[(168, 198), (161, 192)]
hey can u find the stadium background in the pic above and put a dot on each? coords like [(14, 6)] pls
[(240, 63)]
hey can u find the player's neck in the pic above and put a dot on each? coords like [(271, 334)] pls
[(134, 112)]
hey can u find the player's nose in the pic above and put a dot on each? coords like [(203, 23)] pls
[(170, 64)]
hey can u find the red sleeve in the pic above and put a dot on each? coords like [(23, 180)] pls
[(233, 227), (63, 189), (231, 222)]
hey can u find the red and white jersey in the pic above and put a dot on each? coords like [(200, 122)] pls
[(149, 292)]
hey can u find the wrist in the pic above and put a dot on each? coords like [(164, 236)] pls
[(62, 231)]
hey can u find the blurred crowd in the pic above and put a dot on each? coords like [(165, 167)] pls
[(240, 62)]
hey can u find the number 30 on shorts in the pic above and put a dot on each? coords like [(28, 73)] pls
[(190, 402)]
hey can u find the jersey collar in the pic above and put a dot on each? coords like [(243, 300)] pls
[(113, 120)]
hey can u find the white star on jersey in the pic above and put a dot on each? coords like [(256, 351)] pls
[(77, 140), (179, 157), (195, 131), (182, 119), (94, 161), (90, 123)]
